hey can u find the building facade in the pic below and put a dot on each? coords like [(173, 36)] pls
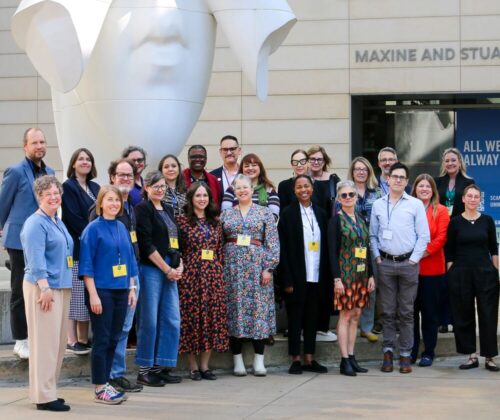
[(352, 76)]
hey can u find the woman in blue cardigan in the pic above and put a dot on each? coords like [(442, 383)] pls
[(109, 268)]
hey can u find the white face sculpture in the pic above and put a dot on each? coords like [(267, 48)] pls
[(136, 72), (145, 84)]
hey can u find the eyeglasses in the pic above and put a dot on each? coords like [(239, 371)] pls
[(159, 188), (300, 162), (360, 170), (138, 160), (387, 160), (316, 160), (197, 157), (228, 149), (399, 178), (351, 194), (124, 176)]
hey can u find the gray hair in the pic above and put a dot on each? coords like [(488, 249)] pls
[(244, 178), (45, 182), (387, 149), (344, 184), (151, 179)]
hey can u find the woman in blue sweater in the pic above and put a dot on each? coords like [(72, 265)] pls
[(108, 267)]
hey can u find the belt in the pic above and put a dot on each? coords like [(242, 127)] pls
[(256, 242), (395, 258)]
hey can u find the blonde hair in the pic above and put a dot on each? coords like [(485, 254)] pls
[(371, 181), (100, 197), (434, 203), (462, 168)]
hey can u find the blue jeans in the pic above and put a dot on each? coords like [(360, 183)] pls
[(106, 329), (158, 319), (368, 314), (119, 367)]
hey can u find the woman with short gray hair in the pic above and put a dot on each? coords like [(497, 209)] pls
[(48, 251)]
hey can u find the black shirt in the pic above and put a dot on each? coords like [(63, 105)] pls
[(471, 244)]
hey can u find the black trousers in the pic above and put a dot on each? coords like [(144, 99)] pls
[(236, 345), (303, 315), (325, 303), (467, 286), (426, 309), (17, 313)]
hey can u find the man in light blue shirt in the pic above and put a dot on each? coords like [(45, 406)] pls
[(399, 234)]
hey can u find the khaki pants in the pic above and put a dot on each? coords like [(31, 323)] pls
[(47, 337)]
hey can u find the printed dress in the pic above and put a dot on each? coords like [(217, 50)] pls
[(202, 295), (250, 306), (353, 271)]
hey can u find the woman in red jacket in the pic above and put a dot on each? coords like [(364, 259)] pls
[(432, 270)]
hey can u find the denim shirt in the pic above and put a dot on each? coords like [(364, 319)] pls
[(46, 245)]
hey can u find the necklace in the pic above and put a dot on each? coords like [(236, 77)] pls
[(471, 221)]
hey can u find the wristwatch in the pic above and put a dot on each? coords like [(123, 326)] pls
[(44, 289), (134, 287)]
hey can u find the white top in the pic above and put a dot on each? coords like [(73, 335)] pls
[(311, 234)]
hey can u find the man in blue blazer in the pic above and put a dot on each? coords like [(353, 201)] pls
[(17, 203)]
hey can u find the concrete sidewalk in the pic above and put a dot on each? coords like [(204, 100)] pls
[(439, 392)]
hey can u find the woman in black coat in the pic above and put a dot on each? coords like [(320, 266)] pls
[(303, 271), (79, 195)]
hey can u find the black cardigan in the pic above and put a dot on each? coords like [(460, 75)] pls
[(75, 209), (152, 232), (292, 266), (460, 183)]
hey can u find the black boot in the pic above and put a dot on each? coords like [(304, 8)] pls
[(355, 366), (346, 368)]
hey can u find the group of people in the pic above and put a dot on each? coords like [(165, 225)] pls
[(197, 260)]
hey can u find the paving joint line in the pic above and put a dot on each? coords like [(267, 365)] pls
[(281, 396)]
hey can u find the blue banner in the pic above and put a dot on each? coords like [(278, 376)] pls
[(478, 138)]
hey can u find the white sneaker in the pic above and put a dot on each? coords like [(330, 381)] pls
[(21, 349), (328, 336)]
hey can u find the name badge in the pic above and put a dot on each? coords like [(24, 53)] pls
[(69, 261), (360, 268), (133, 236), (450, 210), (360, 252), (314, 246), (243, 240), (119, 270), (207, 254), (387, 234), (174, 243)]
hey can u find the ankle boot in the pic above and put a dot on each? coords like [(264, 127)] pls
[(258, 365), (355, 366), (346, 367), (239, 366)]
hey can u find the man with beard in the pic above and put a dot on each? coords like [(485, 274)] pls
[(17, 203)]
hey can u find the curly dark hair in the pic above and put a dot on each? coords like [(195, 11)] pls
[(211, 211)]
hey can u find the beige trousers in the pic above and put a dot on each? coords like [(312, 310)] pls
[(47, 337)]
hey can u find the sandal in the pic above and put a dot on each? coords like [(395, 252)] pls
[(195, 375), (472, 363), (490, 365)]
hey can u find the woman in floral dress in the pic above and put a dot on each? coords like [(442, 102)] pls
[(352, 272), (251, 253), (202, 293)]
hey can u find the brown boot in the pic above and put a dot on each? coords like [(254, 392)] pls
[(405, 364), (387, 364)]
